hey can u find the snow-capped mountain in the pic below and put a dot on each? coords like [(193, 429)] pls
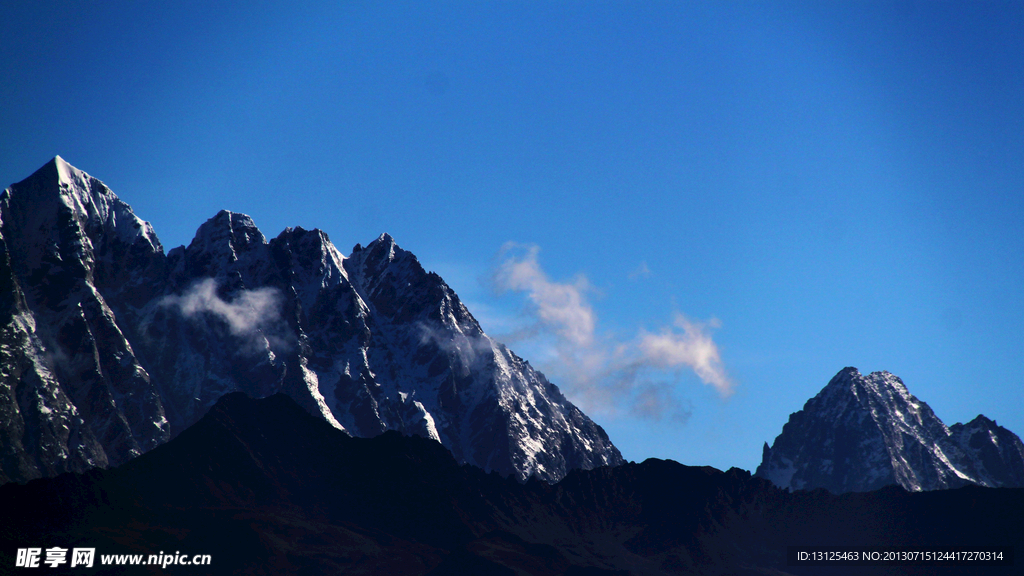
[(864, 432), (110, 347)]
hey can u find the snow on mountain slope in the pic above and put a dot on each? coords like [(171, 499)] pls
[(864, 432), (109, 347), (73, 388)]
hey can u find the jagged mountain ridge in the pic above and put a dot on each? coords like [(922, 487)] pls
[(109, 347), (861, 433)]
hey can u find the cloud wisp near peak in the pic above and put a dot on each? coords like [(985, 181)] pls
[(603, 373)]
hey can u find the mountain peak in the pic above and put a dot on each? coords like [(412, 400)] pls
[(850, 385), (69, 178), (864, 432), (384, 244), (227, 232), (297, 235), (60, 202), (62, 166), (982, 419), (234, 220), (56, 176), (380, 254), (849, 371), (843, 380)]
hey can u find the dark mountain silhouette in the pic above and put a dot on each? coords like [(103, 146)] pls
[(265, 488)]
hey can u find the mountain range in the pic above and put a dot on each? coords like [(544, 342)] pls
[(286, 409), (110, 347), (861, 433)]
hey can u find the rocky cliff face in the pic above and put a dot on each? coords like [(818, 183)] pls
[(73, 393), (109, 347), (996, 453), (864, 432)]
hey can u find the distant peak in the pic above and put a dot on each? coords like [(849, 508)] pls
[(57, 179), (983, 420), (59, 163), (228, 229), (844, 377), (299, 231), (889, 379), (314, 237), (384, 246), (850, 377), (66, 172), (58, 186), (233, 219), (58, 169)]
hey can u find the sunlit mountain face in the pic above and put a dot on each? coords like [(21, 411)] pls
[(862, 432), (112, 347)]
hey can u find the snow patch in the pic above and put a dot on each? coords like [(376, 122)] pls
[(428, 420), (313, 385)]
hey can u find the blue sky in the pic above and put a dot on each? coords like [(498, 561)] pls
[(793, 187)]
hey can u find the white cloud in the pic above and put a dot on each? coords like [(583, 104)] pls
[(602, 374), (249, 314), (562, 307), (693, 348)]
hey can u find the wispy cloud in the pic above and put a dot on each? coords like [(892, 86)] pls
[(468, 345), (562, 307), (693, 348), (251, 314), (600, 372)]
